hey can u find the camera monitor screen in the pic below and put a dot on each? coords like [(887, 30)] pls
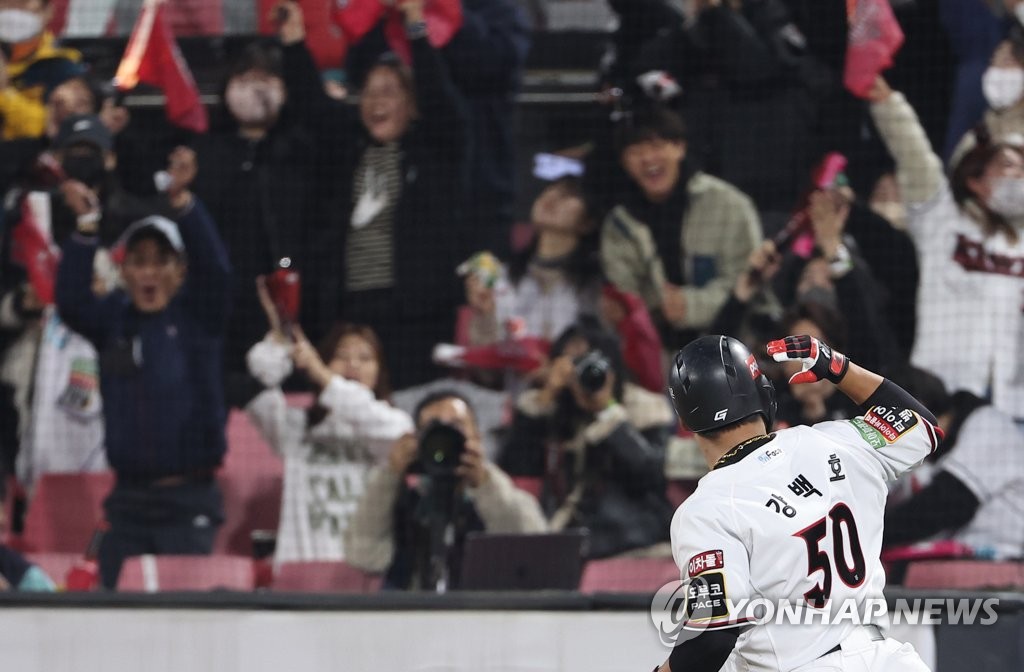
[(523, 561)]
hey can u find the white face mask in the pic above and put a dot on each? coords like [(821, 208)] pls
[(1007, 198), (254, 102), (1002, 86), (19, 25)]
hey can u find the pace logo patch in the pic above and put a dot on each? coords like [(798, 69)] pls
[(705, 561), (705, 598), (889, 422)]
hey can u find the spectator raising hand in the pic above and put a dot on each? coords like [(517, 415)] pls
[(160, 342), (393, 170), (328, 447), (290, 26), (308, 360), (828, 210), (967, 230)]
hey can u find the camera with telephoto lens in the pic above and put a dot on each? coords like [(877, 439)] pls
[(440, 450), (592, 370)]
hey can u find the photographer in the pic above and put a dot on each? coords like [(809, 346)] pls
[(598, 440), (396, 528)]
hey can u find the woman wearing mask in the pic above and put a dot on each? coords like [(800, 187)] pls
[(253, 176), (1003, 87), (391, 180), (32, 63), (970, 328), (329, 447)]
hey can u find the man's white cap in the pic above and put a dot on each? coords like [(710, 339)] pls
[(161, 225)]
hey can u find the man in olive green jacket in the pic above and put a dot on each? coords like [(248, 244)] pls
[(684, 237)]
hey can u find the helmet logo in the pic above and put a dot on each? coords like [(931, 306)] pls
[(755, 371), (721, 414)]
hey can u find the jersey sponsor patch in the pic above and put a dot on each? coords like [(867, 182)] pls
[(705, 598), (891, 423), (705, 561), (870, 435)]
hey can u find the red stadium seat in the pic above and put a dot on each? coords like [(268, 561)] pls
[(65, 510), (156, 573), (628, 575), (965, 574), (324, 577), (251, 482)]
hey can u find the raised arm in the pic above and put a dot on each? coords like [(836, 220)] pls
[(918, 168), (207, 285), (442, 112), (489, 50), (895, 428), (270, 362), (323, 116), (80, 309)]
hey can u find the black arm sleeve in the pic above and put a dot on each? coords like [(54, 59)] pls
[(705, 653), (891, 394), (945, 504)]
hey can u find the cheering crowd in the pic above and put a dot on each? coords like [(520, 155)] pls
[(356, 238)]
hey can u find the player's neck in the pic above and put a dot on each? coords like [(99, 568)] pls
[(715, 449)]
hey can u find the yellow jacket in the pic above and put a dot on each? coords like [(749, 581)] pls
[(23, 101)]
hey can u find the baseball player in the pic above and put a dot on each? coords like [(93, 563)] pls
[(792, 516)]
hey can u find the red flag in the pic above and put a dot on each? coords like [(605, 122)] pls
[(324, 39), (31, 249), (152, 57), (873, 40), (357, 17)]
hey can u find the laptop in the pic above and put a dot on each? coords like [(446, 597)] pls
[(523, 561)]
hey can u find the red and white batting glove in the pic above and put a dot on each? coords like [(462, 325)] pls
[(820, 362)]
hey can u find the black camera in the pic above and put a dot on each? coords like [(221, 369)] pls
[(440, 449), (592, 370)]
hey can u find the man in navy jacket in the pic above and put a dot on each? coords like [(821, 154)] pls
[(160, 341)]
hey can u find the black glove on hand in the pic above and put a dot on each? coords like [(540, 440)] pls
[(820, 362)]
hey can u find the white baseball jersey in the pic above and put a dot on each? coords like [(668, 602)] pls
[(796, 518), (970, 295)]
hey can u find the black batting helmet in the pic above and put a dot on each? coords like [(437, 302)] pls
[(715, 381)]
